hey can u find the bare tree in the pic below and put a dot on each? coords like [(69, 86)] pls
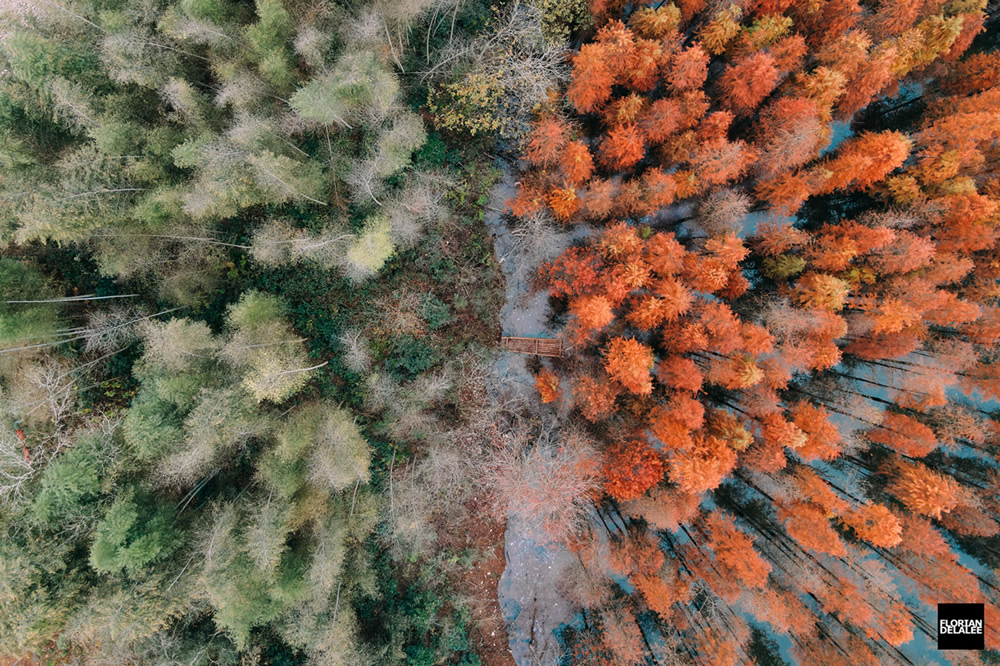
[(547, 484), (515, 56), (536, 239), (382, 389), (16, 470), (723, 211), (108, 329), (356, 355), (409, 211)]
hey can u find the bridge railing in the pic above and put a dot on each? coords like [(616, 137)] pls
[(537, 346)]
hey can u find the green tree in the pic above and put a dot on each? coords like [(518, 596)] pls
[(266, 349), (24, 323), (358, 86), (133, 534), (268, 43)]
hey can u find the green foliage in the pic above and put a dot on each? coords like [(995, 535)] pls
[(36, 59), (320, 444), (371, 249), (410, 356), (116, 137), (231, 177), (133, 534), (245, 596), (70, 483), (217, 11), (266, 348), (433, 153), (436, 312), (561, 19), (150, 429), (235, 502), (221, 423), (358, 83), (267, 41), (88, 189), (416, 623), (396, 145), (37, 593), (175, 369), (25, 323), (341, 456)]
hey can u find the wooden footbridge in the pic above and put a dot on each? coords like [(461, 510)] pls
[(535, 346)]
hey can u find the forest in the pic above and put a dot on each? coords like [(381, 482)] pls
[(498, 332)]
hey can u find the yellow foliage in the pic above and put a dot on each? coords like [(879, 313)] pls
[(718, 32)]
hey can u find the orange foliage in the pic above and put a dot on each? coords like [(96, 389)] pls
[(619, 242), (576, 162), (807, 524), (679, 373), (528, 201), (822, 437), (546, 141), (621, 637), (978, 72), (924, 491), (689, 68), (875, 524), (744, 328), (904, 435), (660, 119), (664, 254), (786, 192), (714, 127), (563, 202), (623, 147), (866, 159), (749, 81), (734, 552), (814, 488), (598, 199), (574, 272), (790, 134), (789, 51), (631, 468), (592, 79), (661, 592), (720, 162), (623, 111), (629, 362), (659, 188), (643, 66), (779, 432), (547, 385), (819, 290), (594, 397), (664, 508), (703, 466), (593, 312)]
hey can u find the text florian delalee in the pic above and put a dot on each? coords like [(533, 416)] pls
[(958, 627)]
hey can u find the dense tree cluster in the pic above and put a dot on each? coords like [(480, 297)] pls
[(213, 369), (248, 413), (135, 132), (785, 323)]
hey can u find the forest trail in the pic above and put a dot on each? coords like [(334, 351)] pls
[(528, 592)]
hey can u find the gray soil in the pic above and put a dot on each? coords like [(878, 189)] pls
[(529, 595)]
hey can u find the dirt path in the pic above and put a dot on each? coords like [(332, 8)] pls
[(528, 592)]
